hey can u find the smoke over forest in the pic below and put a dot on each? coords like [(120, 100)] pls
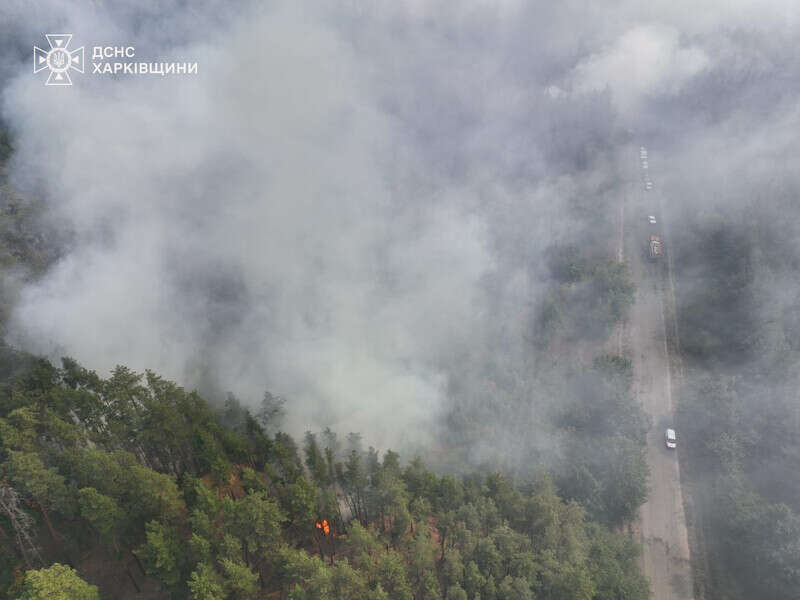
[(338, 230), (403, 219)]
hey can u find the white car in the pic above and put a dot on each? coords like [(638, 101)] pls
[(652, 220), (644, 164), (671, 440), (648, 185)]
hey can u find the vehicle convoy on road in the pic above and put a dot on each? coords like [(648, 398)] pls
[(655, 247), (661, 526)]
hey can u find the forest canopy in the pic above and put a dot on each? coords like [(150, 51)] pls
[(111, 487)]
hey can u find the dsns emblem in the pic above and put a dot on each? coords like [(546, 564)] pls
[(58, 59)]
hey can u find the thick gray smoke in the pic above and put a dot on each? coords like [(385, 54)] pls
[(350, 202)]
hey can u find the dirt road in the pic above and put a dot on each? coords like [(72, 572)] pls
[(662, 523)]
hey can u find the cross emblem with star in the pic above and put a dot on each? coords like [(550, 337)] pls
[(58, 59)]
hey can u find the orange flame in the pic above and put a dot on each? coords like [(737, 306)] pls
[(323, 526)]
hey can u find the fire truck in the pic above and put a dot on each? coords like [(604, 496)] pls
[(656, 250)]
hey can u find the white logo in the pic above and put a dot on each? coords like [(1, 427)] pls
[(58, 59)]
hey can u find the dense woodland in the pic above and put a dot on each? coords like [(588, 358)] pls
[(133, 487), (739, 418), (565, 404), (403, 211), (588, 296), (132, 484)]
